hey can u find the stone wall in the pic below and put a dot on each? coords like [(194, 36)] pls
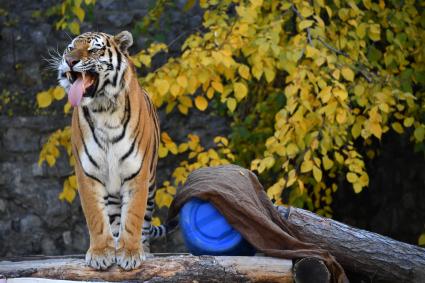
[(32, 219)]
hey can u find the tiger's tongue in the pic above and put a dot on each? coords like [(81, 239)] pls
[(75, 93)]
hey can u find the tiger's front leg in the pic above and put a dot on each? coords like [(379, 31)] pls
[(101, 253), (129, 253)]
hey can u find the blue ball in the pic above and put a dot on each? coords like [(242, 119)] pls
[(207, 232)]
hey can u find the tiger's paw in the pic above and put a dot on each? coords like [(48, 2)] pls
[(100, 258), (130, 259)]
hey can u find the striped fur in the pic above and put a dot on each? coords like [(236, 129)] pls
[(115, 138)]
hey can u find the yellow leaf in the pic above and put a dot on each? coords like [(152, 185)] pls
[(68, 193), (74, 27), (183, 109), (352, 177), (421, 240), (244, 71), (217, 86), (72, 181), (231, 104), (175, 90), (340, 93), (172, 147), (419, 133), (79, 12), (397, 127), (270, 74), (257, 3), (292, 177), (201, 103), (306, 166), (44, 99), (171, 190), (183, 147), (291, 149), (364, 179), (58, 93), (268, 161), (210, 92), (186, 101), (165, 137), (348, 74), (374, 32), (375, 129), (163, 199), (359, 90), (156, 221), (51, 160), (327, 163), (336, 74), (162, 86), (240, 90), (341, 116), (317, 173), (357, 188), (145, 59), (274, 191), (339, 158), (301, 185), (408, 122), (162, 151), (182, 81), (66, 107), (305, 24)]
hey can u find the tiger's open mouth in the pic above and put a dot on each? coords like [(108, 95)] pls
[(83, 84)]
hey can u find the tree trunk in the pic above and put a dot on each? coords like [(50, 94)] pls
[(360, 251), (174, 268)]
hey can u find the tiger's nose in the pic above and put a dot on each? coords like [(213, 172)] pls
[(71, 61)]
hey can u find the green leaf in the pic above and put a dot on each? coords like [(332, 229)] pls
[(231, 104), (421, 240), (189, 4), (79, 12), (240, 90), (305, 24), (317, 173), (74, 27)]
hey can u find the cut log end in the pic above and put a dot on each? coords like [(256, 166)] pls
[(311, 270)]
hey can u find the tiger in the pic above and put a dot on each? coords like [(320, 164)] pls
[(115, 139)]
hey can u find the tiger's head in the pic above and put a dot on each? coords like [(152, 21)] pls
[(91, 69)]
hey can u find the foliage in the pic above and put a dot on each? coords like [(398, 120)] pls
[(311, 88), (73, 14), (421, 240)]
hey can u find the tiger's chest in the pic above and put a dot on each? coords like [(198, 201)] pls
[(112, 154)]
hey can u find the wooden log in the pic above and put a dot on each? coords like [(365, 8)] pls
[(309, 270), (177, 268), (359, 251)]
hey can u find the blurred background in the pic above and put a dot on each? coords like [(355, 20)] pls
[(39, 208)]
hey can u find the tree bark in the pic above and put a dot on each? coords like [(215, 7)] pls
[(175, 268), (360, 251)]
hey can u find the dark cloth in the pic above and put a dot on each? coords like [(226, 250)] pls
[(239, 196)]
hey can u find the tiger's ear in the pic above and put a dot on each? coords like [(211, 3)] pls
[(124, 40)]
